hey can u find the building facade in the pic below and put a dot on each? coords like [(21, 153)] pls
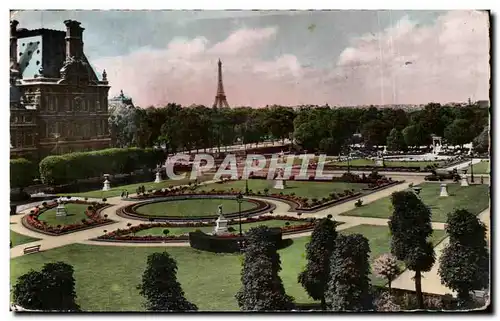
[(57, 103)]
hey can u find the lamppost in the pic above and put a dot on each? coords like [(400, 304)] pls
[(471, 170), (239, 199)]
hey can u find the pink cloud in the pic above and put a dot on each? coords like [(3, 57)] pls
[(409, 63), (405, 63)]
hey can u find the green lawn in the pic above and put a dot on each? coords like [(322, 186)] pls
[(380, 243), (367, 162), (76, 212), (117, 190), (309, 189), (18, 239), (209, 280), (193, 207), (474, 198), (154, 231), (298, 161), (480, 168)]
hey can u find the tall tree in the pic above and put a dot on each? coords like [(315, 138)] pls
[(459, 132), (410, 226), (160, 287), (51, 289), (349, 284), (396, 141), (464, 264), (319, 250), (482, 141), (262, 288)]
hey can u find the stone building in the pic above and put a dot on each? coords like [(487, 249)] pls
[(57, 103)]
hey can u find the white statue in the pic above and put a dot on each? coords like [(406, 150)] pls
[(61, 210), (107, 184), (220, 223)]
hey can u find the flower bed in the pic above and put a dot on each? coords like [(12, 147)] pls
[(125, 234), (94, 219)]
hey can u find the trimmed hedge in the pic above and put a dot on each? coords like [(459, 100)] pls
[(67, 168), (226, 243), (22, 173)]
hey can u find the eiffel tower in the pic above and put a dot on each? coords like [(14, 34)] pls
[(220, 97)]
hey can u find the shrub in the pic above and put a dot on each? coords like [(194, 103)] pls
[(104, 199), (165, 231), (66, 168), (105, 215), (22, 173)]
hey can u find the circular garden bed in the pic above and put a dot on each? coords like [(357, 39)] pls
[(81, 215), (193, 207)]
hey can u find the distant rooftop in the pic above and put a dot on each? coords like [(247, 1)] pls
[(122, 98)]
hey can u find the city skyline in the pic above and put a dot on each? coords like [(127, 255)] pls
[(287, 58)]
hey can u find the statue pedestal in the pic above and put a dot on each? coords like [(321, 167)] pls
[(107, 185), (158, 177), (444, 191), (221, 226), (61, 210), (279, 183), (464, 182)]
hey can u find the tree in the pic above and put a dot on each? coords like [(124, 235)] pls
[(375, 132), (315, 276), (410, 135), (123, 124), (410, 226), (458, 132), (396, 141), (464, 264), (51, 289), (22, 173), (262, 288), (386, 266), (482, 141), (349, 284), (160, 287)]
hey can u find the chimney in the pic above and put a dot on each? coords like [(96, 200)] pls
[(74, 39), (13, 44)]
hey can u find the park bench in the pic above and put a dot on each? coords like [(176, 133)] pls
[(31, 249)]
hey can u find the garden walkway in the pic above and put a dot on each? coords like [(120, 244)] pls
[(49, 242), (431, 282)]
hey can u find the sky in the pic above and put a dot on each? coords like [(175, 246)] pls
[(340, 58)]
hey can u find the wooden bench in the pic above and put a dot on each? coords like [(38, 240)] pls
[(32, 249)]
